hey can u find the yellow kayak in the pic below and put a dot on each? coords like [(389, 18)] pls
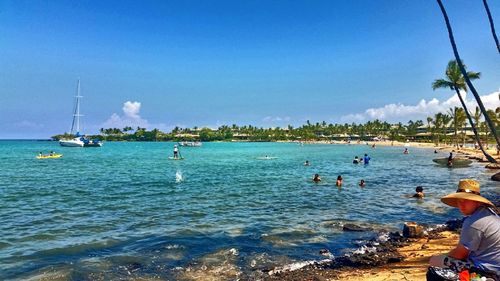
[(49, 156)]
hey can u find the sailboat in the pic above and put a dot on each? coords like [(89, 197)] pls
[(79, 140)]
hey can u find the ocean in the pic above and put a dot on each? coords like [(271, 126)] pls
[(125, 211)]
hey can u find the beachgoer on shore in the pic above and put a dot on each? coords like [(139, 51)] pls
[(419, 192), (339, 181), (366, 159), (355, 160), (307, 163), (316, 178), (362, 183), (478, 249), (176, 152)]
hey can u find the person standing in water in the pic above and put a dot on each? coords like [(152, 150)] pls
[(419, 192), (450, 160), (339, 181), (356, 160), (366, 159), (316, 178)]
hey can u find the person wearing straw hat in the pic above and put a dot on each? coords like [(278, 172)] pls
[(479, 244)]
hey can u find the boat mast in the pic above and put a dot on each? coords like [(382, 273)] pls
[(76, 114)]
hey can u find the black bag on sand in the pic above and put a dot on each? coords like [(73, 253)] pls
[(441, 274)]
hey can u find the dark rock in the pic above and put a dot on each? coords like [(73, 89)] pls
[(353, 227), (134, 266), (496, 177), (413, 230), (493, 166), (454, 225), (395, 259), (324, 252)]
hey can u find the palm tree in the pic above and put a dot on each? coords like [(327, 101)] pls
[(492, 26), (454, 115), (461, 119), (437, 122), (466, 77), (455, 81), (446, 121)]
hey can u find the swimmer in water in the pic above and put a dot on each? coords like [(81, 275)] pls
[(316, 178)]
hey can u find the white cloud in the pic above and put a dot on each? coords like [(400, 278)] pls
[(272, 119), (402, 113), (131, 109), (131, 117)]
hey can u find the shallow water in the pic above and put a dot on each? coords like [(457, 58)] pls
[(126, 211)]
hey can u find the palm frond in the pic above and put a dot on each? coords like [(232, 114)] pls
[(441, 83)]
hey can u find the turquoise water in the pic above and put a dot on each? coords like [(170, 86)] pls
[(126, 211)]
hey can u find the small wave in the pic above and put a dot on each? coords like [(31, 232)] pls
[(220, 265), (297, 265), (174, 247), (178, 177), (365, 249)]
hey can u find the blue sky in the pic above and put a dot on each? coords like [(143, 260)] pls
[(208, 63)]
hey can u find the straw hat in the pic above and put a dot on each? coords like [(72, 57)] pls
[(467, 189)]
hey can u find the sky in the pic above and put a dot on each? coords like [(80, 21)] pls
[(161, 64)]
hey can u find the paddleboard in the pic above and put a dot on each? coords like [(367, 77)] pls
[(267, 158), (172, 158), (456, 162)]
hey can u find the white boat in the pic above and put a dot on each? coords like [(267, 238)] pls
[(190, 143), (78, 140)]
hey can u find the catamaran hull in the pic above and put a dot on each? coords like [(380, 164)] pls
[(93, 144), (71, 143)]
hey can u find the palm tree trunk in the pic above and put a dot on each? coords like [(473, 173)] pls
[(492, 26), (476, 135), (466, 77)]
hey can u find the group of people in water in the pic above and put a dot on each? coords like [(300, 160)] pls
[(366, 160), (338, 183)]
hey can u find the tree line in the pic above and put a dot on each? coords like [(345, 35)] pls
[(447, 127)]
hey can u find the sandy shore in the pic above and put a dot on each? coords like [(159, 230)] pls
[(415, 255), (461, 151), (413, 267)]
